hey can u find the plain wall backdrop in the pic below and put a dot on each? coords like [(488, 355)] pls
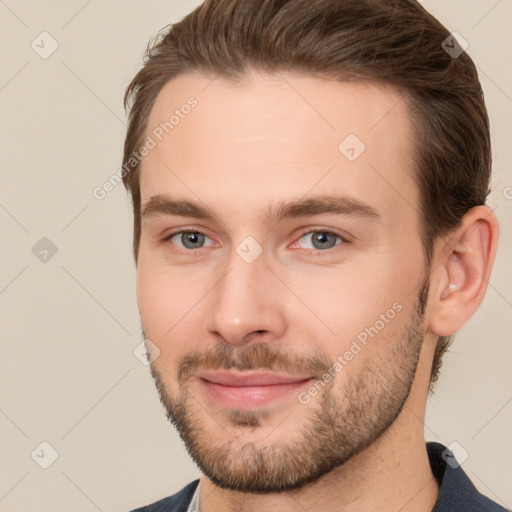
[(69, 318)]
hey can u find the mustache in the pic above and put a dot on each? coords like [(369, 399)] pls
[(258, 356)]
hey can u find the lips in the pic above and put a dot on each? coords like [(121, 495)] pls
[(228, 378), (249, 389)]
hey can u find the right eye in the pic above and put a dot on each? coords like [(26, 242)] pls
[(188, 240)]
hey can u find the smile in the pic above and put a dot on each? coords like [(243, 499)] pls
[(248, 389)]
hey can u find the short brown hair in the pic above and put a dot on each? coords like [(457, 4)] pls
[(392, 41)]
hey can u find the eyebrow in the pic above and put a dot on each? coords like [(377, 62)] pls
[(325, 204)]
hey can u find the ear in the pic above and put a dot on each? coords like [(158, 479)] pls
[(462, 268)]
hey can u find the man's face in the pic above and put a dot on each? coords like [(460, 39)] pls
[(287, 306)]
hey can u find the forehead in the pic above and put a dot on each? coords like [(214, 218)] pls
[(285, 134)]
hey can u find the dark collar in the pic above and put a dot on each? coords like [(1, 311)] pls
[(456, 492)]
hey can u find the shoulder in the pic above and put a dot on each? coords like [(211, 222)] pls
[(456, 491), (178, 502)]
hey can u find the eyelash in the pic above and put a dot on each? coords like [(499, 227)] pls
[(317, 252)]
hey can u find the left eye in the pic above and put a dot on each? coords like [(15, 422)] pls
[(320, 240)]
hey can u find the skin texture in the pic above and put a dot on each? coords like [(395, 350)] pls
[(358, 443)]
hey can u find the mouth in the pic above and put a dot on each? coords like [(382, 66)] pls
[(247, 390)]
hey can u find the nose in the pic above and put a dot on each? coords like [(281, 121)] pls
[(245, 305)]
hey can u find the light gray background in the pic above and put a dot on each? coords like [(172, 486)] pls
[(68, 375)]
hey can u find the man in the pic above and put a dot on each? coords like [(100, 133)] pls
[(309, 181)]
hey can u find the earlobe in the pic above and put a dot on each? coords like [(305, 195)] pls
[(464, 271)]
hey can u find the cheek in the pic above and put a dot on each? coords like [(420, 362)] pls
[(363, 302), (162, 298), (160, 314), (171, 307)]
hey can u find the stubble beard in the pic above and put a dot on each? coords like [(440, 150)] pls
[(334, 427)]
